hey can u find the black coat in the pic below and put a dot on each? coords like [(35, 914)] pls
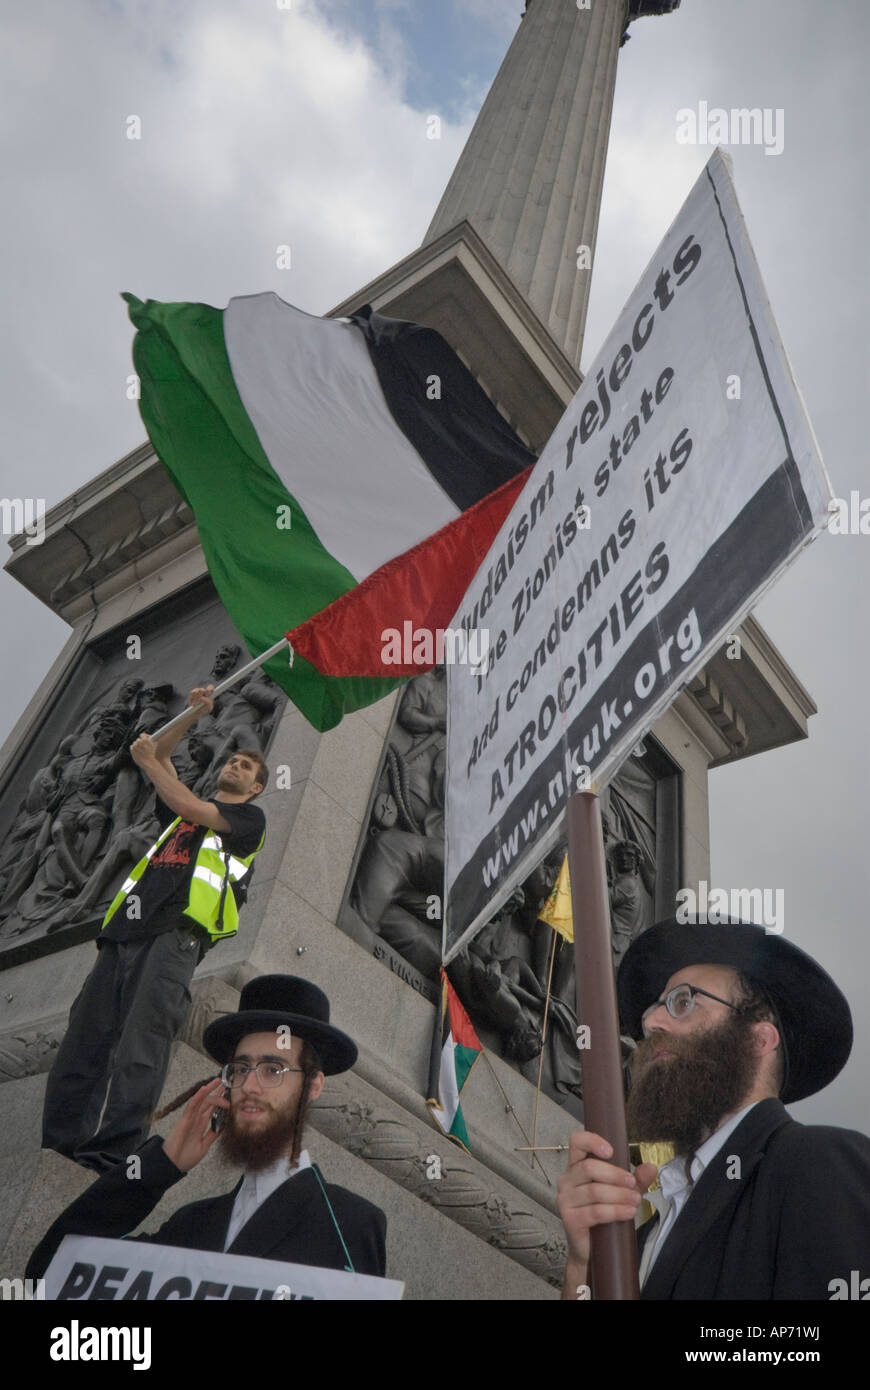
[(796, 1218), (293, 1224)]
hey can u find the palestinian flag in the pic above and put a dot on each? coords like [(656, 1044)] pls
[(314, 453), (455, 1049)]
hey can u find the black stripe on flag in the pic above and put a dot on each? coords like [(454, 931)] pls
[(467, 445)]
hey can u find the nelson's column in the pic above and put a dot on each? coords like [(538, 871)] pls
[(355, 846)]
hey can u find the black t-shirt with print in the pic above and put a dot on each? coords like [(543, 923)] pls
[(164, 888)]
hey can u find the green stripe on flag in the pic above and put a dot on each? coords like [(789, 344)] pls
[(269, 579), (464, 1059), (459, 1132)]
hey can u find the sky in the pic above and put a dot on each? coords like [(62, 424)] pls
[(264, 123)]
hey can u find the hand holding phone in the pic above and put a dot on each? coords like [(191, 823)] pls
[(194, 1133), (219, 1116)]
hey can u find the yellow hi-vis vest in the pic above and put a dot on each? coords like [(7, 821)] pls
[(211, 902)]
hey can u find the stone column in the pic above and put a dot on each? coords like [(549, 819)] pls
[(530, 177)]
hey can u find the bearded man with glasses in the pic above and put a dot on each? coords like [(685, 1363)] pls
[(275, 1054), (730, 1021)]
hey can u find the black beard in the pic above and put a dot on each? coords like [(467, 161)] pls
[(243, 1148), (682, 1099)]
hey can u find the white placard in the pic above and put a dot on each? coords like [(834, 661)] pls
[(689, 445), (92, 1267)]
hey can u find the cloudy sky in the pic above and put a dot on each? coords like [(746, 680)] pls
[(264, 124)]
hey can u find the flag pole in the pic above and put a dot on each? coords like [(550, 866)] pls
[(543, 1041), (225, 685), (613, 1246), (509, 1110)]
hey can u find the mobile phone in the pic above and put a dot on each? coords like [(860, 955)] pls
[(218, 1116)]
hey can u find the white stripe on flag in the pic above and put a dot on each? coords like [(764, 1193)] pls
[(447, 1087), (295, 372)]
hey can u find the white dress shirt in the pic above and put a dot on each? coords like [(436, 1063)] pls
[(256, 1187), (676, 1188)]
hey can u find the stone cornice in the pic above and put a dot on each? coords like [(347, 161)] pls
[(122, 526), (456, 286), (462, 242), (749, 703)]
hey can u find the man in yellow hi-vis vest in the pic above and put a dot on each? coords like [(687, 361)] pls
[(176, 903)]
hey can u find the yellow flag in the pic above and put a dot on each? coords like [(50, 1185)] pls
[(556, 911)]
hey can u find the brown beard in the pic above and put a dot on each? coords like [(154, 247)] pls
[(256, 1151), (682, 1099)]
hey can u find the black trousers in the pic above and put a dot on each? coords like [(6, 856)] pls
[(117, 1047)]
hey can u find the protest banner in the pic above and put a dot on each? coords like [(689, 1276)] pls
[(680, 482), (92, 1267)]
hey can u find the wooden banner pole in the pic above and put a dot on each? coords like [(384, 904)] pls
[(613, 1262)]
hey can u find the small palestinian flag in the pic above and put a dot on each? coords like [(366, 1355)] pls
[(455, 1049)]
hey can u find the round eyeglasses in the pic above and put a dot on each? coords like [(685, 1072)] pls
[(680, 1001), (269, 1074)]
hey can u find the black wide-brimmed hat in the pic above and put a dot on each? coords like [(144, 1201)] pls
[(815, 1017), (273, 1001)]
